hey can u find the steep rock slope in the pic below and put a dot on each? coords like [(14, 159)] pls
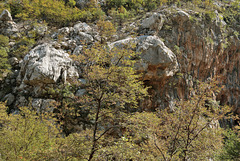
[(178, 48), (205, 47)]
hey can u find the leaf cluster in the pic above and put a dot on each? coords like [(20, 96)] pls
[(4, 64)]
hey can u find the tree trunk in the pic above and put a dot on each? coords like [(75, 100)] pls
[(94, 141)]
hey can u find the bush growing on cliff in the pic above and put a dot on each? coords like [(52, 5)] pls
[(4, 64), (106, 30), (190, 132), (23, 46)]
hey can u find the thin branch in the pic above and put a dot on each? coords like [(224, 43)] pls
[(106, 132), (199, 132), (155, 143), (175, 139)]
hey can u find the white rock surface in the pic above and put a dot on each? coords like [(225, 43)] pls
[(157, 60), (43, 105), (7, 26), (154, 22), (82, 27), (5, 16), (47, 65)]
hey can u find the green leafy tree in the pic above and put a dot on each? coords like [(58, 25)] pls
[(112, 86), (191, 131), (53, 12)]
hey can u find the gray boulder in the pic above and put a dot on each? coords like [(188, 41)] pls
[(81, 92), (154, 22), (81, 3), (43, 105), (157, 61), (10, 98), (7, 26), (46, 64), (5, 16), (43, 66), (82, 27), (77, 50), (160, 59), (85, 38)]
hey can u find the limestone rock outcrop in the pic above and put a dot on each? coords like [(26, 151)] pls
[(205, 47), (157, 61), (43, 105), (154, 22), (45, 65), (7, 26), (69, 38)]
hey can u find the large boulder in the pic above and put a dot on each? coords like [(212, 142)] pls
[(82, 27), (154, 22), (159, 66), (68, 38), (43, 105), (45, 65), (5, 16), (157, 61), (161, 61), (7, 26), (81, 3)]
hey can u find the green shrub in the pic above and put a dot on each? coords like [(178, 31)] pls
[(231, 148), (210, 15), (23, 46), (71, 3), (27, 135), (4, 41), (3, 6), (4, 65)]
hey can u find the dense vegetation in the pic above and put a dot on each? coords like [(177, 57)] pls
[(61, 12), (111, 126), (106, 123)]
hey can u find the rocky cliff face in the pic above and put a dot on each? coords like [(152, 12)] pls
[(205, 47), (178, 47)]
